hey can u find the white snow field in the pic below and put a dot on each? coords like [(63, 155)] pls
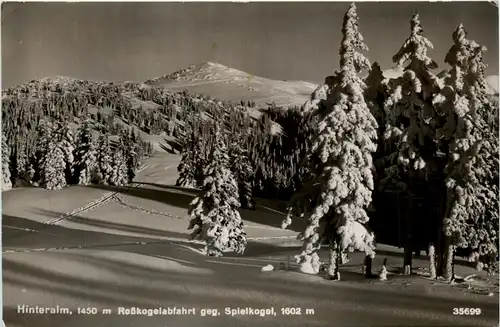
[(98, 248)]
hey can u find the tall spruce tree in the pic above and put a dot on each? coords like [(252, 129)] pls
[(187, 166), (214, 213), (104, 159), (411, 122), (54, 166), (65, 137), (84, 154), (471, 219), (6, 182), (22, 165), (129, 154), (242, 171), (341, 163), (44, 139), (119, 175), (376, 94)]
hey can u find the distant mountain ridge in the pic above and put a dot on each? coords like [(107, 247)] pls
[(225, 83)]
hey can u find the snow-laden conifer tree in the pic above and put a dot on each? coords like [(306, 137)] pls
[(410, 124), (119, 175), (187, 166), (129, 154), (6, 182), (65, 137), (22, 165), (376, 93), (319, 95), (44, 139), (54, 166), (84, 154), (242, 171), (104, 160), (214, 213), (471, 219), (340, 163)]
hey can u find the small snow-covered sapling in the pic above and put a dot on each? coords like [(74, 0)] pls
[(383, 271)]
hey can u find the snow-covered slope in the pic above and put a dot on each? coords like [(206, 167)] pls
[(225, 83)]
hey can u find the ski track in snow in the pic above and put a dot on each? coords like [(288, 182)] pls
[(122, 202), (125, 204), (114, 196), (92, 205), (89, 206)]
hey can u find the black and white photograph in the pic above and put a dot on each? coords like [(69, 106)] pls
[(235, 164)]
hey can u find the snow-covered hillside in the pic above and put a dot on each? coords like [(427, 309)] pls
[(221, 82)]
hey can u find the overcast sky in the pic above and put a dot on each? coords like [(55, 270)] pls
[(296, 41)]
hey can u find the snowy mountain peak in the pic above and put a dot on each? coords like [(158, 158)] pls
[(214, 64), (226, 83), (199, 72)]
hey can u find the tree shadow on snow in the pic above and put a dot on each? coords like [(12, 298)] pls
[(133, 283), (25, 233), (181, 197), (168, 197), (423, 257), (114, 226), (40, 235), (192, 191), (141, 271)]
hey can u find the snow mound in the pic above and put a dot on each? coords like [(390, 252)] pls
[(307, 268), (383, 274)]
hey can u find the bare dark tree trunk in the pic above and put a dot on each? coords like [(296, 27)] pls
[(368, 266), (441, 198)]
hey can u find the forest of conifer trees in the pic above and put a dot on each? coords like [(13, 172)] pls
[(361, 147), (344, 160)]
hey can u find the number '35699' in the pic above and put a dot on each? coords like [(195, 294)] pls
[(466, 311)]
